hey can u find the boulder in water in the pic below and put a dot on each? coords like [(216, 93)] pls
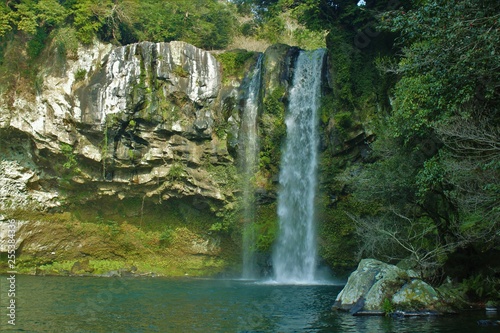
[(377, 287)]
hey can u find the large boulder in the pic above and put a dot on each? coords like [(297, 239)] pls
[(377, 287)]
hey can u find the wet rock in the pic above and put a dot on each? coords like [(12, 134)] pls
[(487, 322), (113, 273), (414, 293)]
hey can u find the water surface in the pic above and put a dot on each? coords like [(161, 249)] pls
[(72, 304)]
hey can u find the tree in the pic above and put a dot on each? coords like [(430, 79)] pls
[(29, 15), (449, 90), (395, 237), (207, 24), (437, 160), (6, 19), (103, 18)]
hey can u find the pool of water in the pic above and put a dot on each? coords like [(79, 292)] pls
[(71, 304)]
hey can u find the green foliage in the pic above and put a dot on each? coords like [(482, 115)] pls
[(249, 28), (309, 40), (112, 228), (37, 43), (32, 15), (265, 227), (106, 19), (430, 66), (180, 71), (343, 122), (338, 242), (67, 151), (167, 236), (206, 23), (66, 43), (327, 108), (273, 30), (221, 130), (80, 74), (272, 125), (387, 307), (176, 171), (233, 63), (480, 287), (277, 22), (431, 169), (430, 177), (273, 103), (426, 106), (221, 226), (86, 23), (6, 19)]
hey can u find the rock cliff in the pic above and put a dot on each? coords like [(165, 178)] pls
[(118, 122), (129, 127)]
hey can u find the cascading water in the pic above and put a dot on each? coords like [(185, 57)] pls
[(250, 145), (294, 257)]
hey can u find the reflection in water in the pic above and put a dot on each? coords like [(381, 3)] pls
[(59, 304)]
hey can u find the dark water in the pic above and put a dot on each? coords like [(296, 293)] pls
[(62, 304)]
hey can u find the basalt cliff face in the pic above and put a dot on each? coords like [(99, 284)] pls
[(133, 137), (118, 122)]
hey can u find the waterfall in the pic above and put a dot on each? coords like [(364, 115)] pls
[(294, 257), (250, 145)]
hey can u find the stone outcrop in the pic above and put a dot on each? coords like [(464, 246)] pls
[(377, 287), (132, 127), (133, 121)]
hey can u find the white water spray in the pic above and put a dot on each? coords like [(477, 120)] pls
[(250, 147), (294, 257)]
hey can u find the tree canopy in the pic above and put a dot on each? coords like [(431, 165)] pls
[(205, 23), (433, 176)]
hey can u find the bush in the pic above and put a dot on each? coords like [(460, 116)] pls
[(176, 171), (37, 43), (343, 120), (233, 62), (167, 236), (67, 151), (80, 74)]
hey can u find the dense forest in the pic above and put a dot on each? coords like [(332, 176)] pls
[(428, 192)]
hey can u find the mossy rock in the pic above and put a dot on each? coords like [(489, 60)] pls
[(415, 296), (377, 286)]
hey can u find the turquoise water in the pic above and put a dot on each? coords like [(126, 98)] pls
[(70, 304)]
